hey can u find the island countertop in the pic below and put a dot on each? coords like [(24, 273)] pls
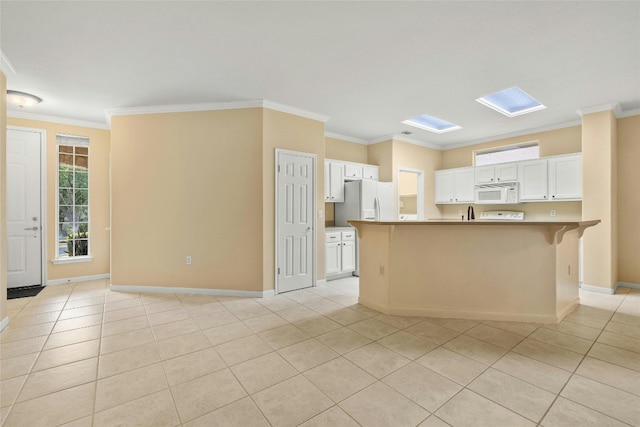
[(484, 269)]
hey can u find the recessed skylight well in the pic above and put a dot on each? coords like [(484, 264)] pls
[(432, 124), (511, 102)]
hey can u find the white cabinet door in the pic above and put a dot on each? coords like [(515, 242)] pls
[(565, 177), (352, 171), (336, 182), (533, 180), (444, 186), (370, 172), (484, 174), (327, 181), (333, 257), (348, 256), (463, 185), (506, 172)]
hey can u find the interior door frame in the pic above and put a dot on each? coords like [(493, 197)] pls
[(314, 160), (419, 188), (43, 197)]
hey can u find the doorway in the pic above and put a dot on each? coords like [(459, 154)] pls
[(295, 220), (25, 207), (410, 194)]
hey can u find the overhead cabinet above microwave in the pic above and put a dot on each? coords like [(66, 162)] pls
[(506, 172)]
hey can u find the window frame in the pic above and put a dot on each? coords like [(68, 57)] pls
[(506, 148), (74, 141)]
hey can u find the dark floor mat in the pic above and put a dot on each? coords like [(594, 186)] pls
[(24, 291)]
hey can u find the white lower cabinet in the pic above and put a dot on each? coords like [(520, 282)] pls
[(340, 254), (333, 258)]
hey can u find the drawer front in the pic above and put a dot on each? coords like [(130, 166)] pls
[(332, 237), (348, 235)]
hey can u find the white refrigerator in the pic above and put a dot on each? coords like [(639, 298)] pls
[(365, 200)]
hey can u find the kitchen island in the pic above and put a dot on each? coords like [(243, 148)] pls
[(523, 271)]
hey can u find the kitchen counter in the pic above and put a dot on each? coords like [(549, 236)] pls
[(484, 270)]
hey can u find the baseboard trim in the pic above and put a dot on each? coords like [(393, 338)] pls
[(599, 289), (470, 315), (78, 279), (321, 282), (628, 285), (196, 291), (4, 323)]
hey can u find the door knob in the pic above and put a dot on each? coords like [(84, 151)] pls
[(33, 228), (308, 229)]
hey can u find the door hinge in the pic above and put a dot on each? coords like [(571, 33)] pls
[(278, 270), (278, 168)]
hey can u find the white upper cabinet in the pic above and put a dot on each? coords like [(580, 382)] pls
[(540, 180), (455, 185), (507, 172), (565, 177), (333, 181), (496, 173), (533, 180), (485, 174), (370, 172), (352, 171)]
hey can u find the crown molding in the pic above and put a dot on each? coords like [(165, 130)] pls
[(55, 119), (346, 138), (180, 108), (5, 65), (295, 111), (403, 138), (515, 134), (629, 113), (211, 106), (615, 107)]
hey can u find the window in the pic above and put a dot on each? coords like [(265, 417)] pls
[(507, 153), (73, 196)]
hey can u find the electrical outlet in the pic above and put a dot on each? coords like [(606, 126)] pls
[(382, 270), (188, 260), (553, 212)]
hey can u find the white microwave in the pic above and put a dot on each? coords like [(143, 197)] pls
[(504, 193)]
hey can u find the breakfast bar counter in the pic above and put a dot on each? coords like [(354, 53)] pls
[(523, 271)]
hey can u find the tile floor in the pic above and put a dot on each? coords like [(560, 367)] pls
[(81, 355)]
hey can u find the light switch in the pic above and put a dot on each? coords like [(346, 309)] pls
[(320, 213)]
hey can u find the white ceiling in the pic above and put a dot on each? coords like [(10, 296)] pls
[(366, 65)]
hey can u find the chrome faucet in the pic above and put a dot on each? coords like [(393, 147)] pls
[(470, 214)]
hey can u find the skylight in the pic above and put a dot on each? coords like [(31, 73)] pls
[(432, 124), (511, 102)]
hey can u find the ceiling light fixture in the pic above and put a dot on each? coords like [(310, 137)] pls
[(22, 99), (432, 124), (511, 102)]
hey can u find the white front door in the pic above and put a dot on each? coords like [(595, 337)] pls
[(295, 220), (24, 237)]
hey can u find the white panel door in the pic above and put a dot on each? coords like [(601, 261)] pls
[(24, 237), (295, 216)]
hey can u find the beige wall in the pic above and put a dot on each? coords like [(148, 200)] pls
[(100, 146), (599, 198), (296, 133), (552, 143), (423, 158), (628, 199), (201, 184), (381, 154), (188, 184), (3, 196), (338, 149)]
